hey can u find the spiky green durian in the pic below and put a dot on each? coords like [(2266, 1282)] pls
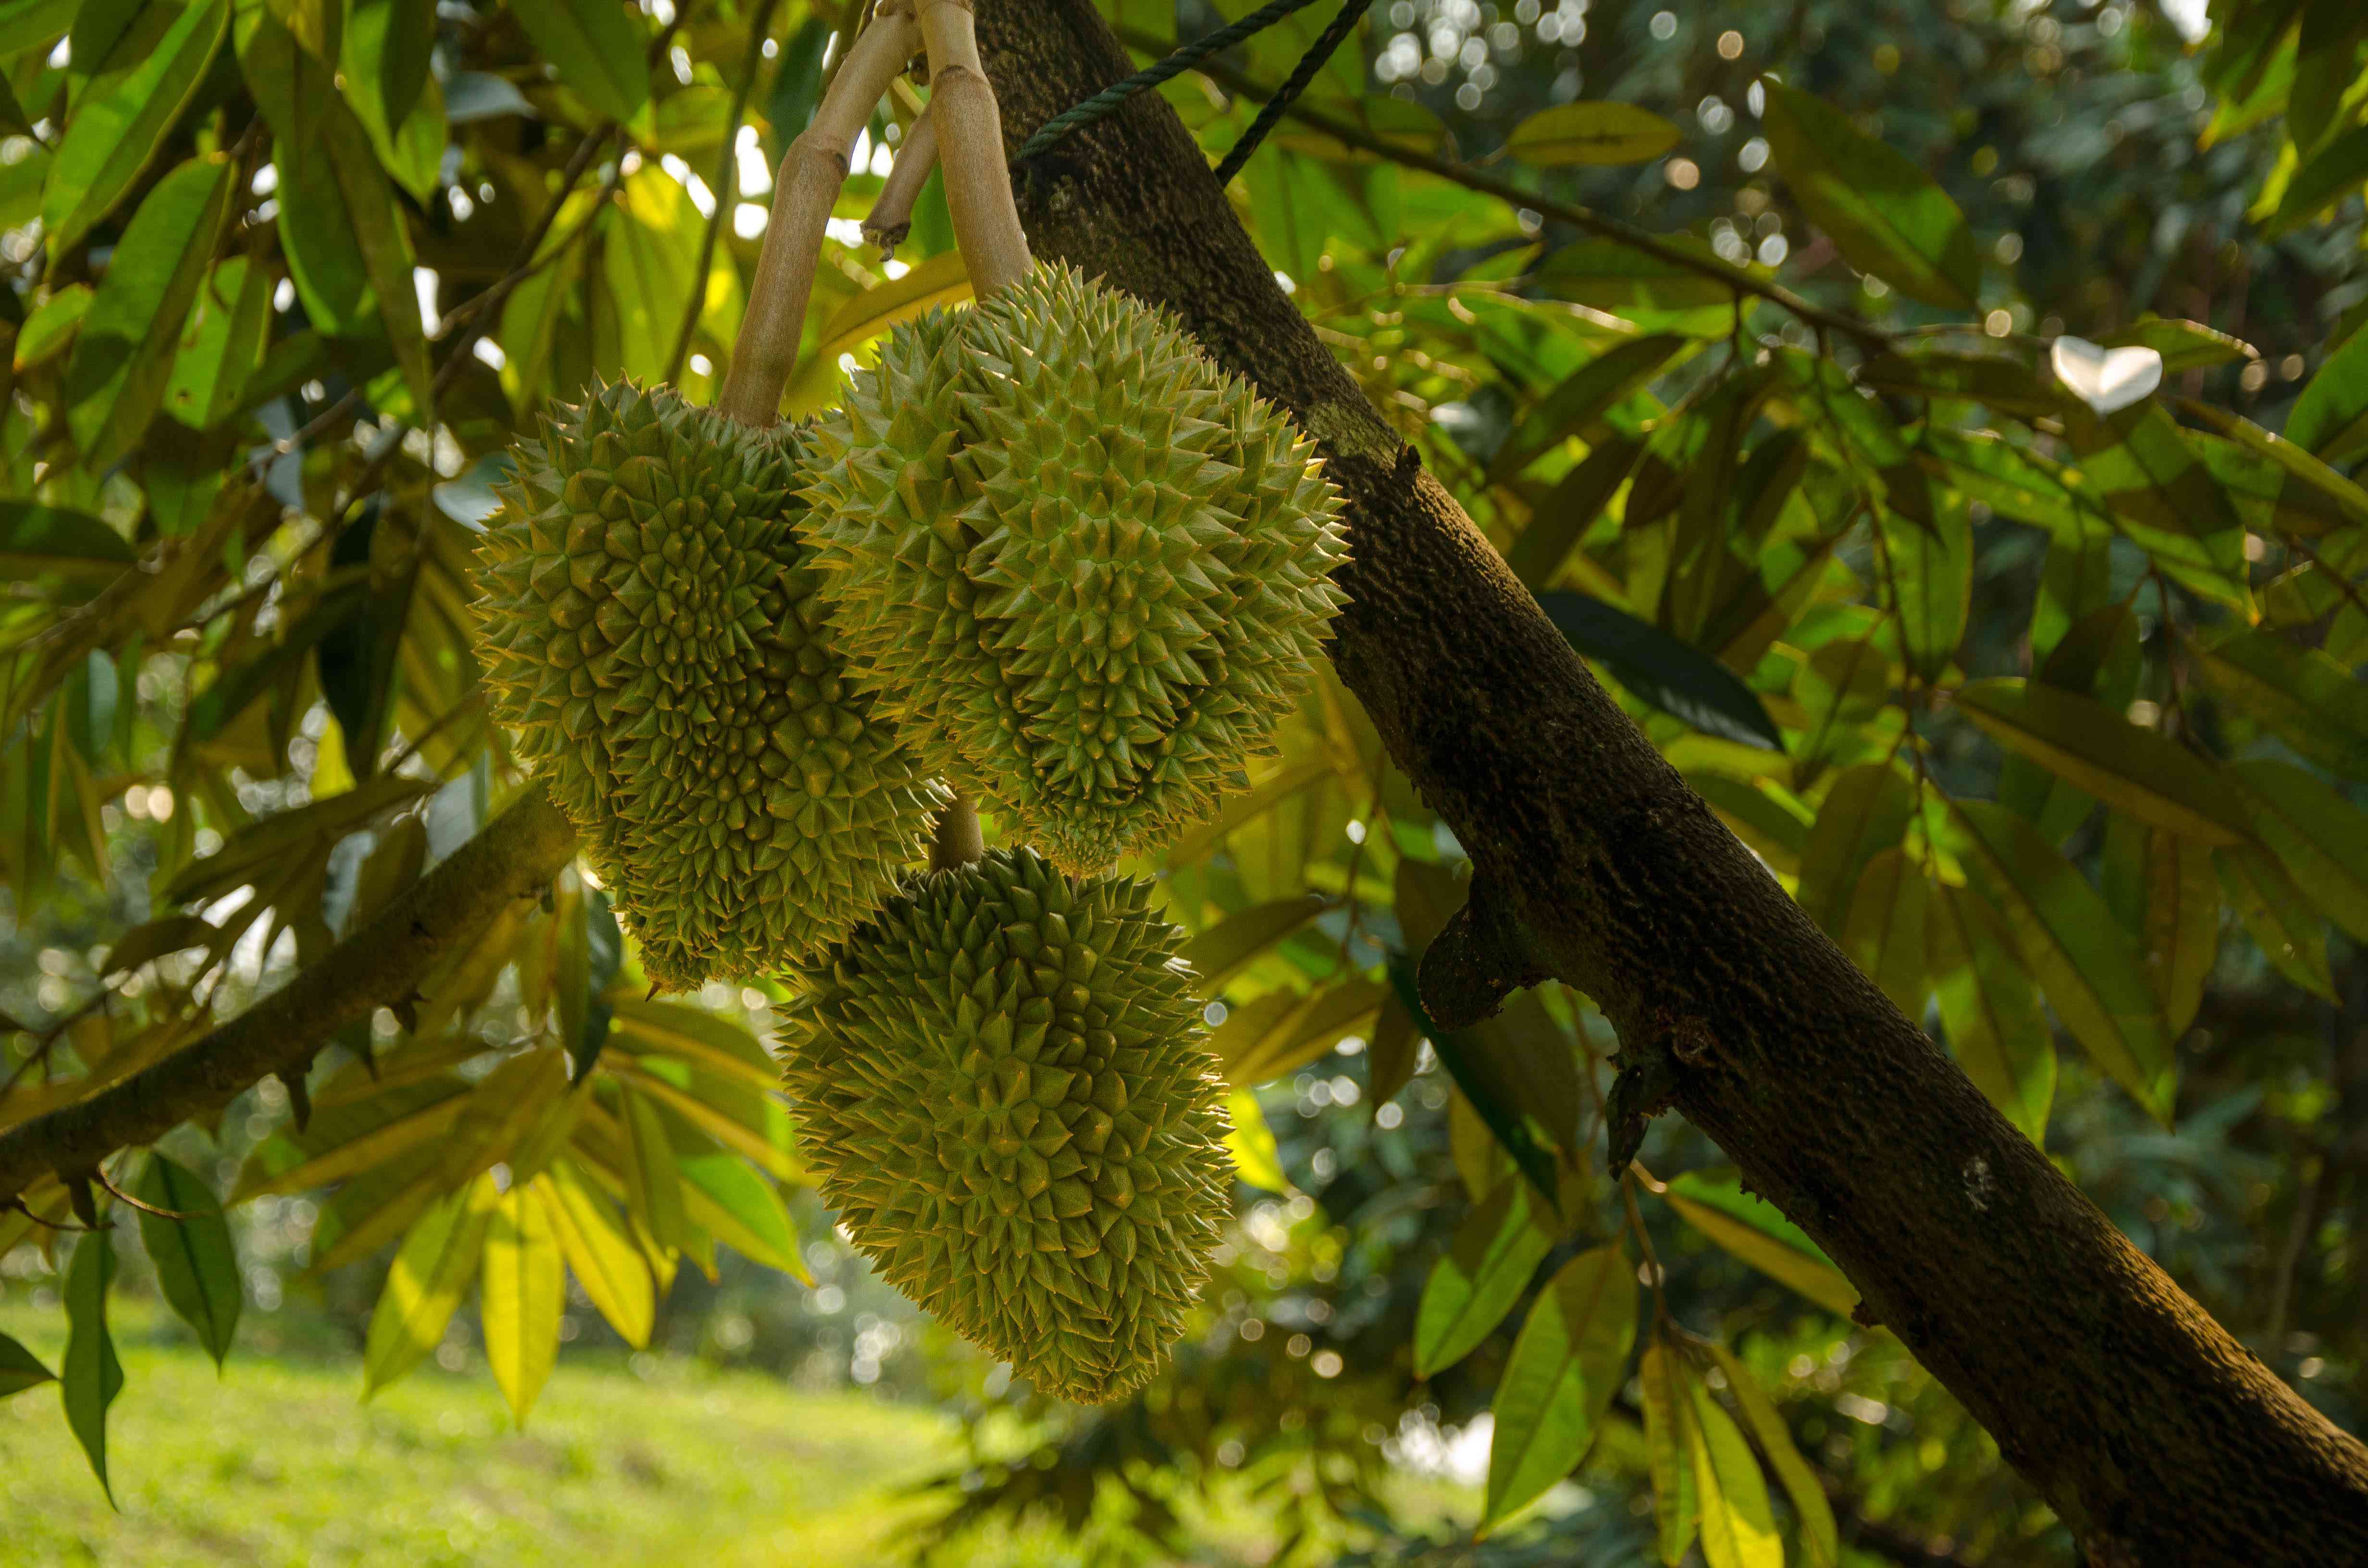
[(1089, 568), (650, 627), (1004, 1091)]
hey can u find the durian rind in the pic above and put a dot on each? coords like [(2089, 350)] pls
[(1088, 569), (649, 625), (1004, 1091)]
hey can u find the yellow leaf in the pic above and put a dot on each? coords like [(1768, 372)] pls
[(520, 1296), (431, 1273), (1251, 1143), (605, 1259)]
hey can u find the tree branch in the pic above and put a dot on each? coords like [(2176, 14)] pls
[(384, 963)]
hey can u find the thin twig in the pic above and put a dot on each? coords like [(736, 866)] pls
[(724, 189), (1583, 219)]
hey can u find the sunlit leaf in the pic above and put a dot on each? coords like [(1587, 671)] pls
[(1670, 1443), (1931, 568), (431, 1273), (1738, 1531), (610, 1269), (1813, 1515), (1251, 1144), (1486, 1269), (1567, 1364), (742, 1210), (1714, 1203), (2330, 418), (521, 1294)]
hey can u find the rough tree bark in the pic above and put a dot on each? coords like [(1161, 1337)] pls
[(2156, 1435)]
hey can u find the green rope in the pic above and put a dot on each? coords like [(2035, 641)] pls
[(1338, 28), (1174, 65)]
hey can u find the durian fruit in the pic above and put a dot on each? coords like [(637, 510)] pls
[(1088, 568), (1004, 1091), (650, 626)]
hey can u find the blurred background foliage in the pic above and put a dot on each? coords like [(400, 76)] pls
[(286, 279)]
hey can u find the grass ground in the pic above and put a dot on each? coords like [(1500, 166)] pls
[(278, 1463)]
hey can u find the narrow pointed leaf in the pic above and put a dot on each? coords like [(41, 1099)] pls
[(20, 1368), (2088, 744), (521, 1294), (1997, 1028), (2072, 946), (1884, 934), (2320, 838), (1812, 1513), (1738, 1529), (1660, 670), (1669, 1452), (92, 1377), (1486, 1269), (431, 1273), (1567, 1364), (1714, 1203), (603, 1256), (1887, 216), (197, 1268)]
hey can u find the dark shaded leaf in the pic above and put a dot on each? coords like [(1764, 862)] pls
[(1887, 216), (1657, 668), (197, 1268)]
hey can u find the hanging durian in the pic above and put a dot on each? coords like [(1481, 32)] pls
[(1087, 569), (1003, 1089), (649, 625)]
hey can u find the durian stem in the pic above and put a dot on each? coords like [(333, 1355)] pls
[(969, 141), (956, 841), (804, 191), (891, 215)]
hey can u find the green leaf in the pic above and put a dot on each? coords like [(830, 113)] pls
[(698, 1037), (1570, 509), (611, 1269), (588, 963), (1485, 1271), (197, 1268), (1886, 215), (93, 1376), (653, 1187), (2072, 946), (1668, 1450), (1581, 399), (2291, 935), (1812, 1514), (123, 356), (2310, 702), (1495, 1093), (596, 49), (384, 59), (40, 541), (1592, 133), (2332, 173), (1883, 933), (1217, 953), (1567, 1364), (20, 1368), (2004, 385), (1675, 677), (1250, 1142), (134, 96), (1932, 567), (2183, 344), (1777, 832), (1714, 1203), (2311, 486), (2088, 744), (50, 327), (2162, 496), (521, 1293), (649, 259), (721, 1196), (1276, 1039), (2320, 838), (2330, 418), (223, 344), (1612, 276), (1866, 811), (2161, 888), (1738, 1531), (431, 1273)]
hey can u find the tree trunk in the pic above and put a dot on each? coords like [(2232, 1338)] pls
[(2156, 1435)]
